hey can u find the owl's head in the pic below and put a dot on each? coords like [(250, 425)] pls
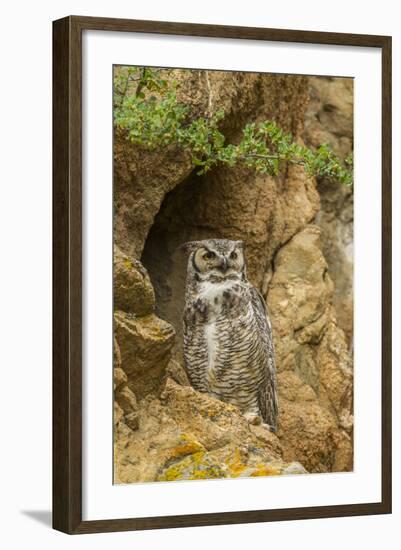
[(215, 260)]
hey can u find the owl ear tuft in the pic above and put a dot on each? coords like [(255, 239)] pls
[(190, 246), (240, 244)]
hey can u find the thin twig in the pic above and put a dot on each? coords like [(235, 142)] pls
[(271, 157)]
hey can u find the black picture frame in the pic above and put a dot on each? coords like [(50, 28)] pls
[(67, 274)]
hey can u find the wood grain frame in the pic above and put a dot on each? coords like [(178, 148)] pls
[(67, 274)]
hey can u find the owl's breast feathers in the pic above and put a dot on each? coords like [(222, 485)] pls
[(228, 346)]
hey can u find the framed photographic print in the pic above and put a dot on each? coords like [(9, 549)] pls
[(222, 274)]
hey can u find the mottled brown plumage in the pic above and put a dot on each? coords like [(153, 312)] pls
[(228, 344)]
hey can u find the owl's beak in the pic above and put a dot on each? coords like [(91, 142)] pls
[(223, 265)]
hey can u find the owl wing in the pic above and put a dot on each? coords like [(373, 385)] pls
[(268, 402), (195, 352)]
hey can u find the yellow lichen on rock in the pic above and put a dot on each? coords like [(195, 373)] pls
[(187, 446), (236, 464), (265, 470), (213, 465), (196, 466)]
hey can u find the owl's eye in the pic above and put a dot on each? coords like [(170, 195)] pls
[(209, 255), (233, 255)]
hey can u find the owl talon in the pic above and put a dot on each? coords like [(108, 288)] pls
[(268, 427), (253, 419)]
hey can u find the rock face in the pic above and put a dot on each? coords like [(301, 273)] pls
[(187, 435), (314, 367), (329, 119), (164, 429), (142, 178), (143, 341), (133, 291)]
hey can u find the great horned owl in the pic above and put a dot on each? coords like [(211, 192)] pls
[(228, 345)]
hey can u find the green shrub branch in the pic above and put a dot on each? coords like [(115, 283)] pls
[(147, 108)]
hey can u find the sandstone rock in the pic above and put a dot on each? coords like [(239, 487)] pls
[(329, 116), (126, 399), (293, 469), (315, 371), (336, 222), (143, 178), (145, 344), (176, 372), (118, 413), (132, 420), (188, 435), (125, 403), (116, 355), (306, 433), (133, 291), (213, 423), (292, 388), (329, 119), (300, 287), (119, 377), (344, 456), (232, 464), (268, 438), (336, 376), (195, 466)]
